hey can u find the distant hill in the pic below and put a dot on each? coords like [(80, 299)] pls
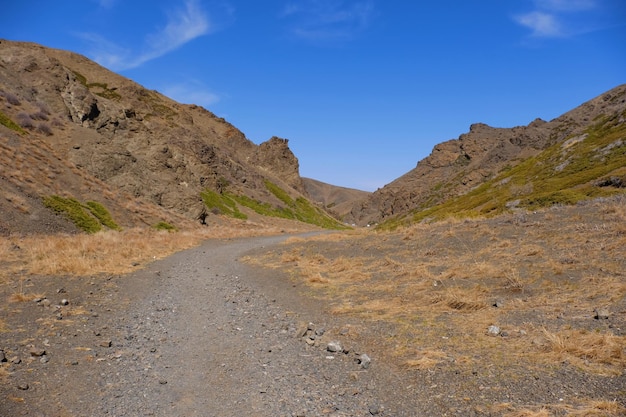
[(337, 200), (578, 155), (74, 132)]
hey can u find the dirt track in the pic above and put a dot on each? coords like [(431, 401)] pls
[(196, 334)]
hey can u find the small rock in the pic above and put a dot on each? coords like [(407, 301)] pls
[(65, 302), (493, 330), (601, 313), (44, 359), (37, 351), (16, 360), (320, 332), (45, 302), (498, 304), (106, 343), (364, 361), (3, 357), (334, 347), (22, 386), (162, 381), (375, 409)]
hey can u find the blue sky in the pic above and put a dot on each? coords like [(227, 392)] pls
[(363, 89)]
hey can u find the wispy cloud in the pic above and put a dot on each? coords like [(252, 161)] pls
[(328, 20), (555, 18), (541, 24), (191, 92), (183, 25)]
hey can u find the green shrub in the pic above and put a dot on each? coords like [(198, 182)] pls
[(221, 204), (102, 214), (6, 121), (165, 226), (279, 193), (74, 211)]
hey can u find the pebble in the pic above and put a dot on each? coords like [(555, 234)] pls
[(23, 386), (65, 302), (364, 361), (334, 347), (37, 351), (493, 330), (3, 357)]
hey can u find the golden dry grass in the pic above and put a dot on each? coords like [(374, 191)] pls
[(451, 273), (109, 252), (583, 408)]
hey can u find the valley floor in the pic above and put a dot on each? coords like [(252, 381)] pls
[(521, 315)]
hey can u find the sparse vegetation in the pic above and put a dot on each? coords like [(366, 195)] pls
[(6, 121), (560, 175), (165, 226), (442, 285), (102, 214), (44, 128), (11, 98), (100, 89), (221, 204), (300, 209), (75, 211), (25, 120)]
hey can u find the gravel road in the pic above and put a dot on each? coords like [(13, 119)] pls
[(197, 334)]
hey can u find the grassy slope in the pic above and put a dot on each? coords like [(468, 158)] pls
[(564, 173)]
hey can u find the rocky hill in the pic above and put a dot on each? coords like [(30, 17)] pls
[(590, 138), (70, 128), (337, 200)]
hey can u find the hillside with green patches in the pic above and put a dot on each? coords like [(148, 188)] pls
[(286, 207), (489, 170), (583, 166)]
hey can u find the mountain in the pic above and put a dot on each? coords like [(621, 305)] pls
[(74, 132), (337, 200), (488, 170)]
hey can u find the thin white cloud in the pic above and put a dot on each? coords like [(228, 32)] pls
[(554, 18), (328, 20), (541, 24), (191, 92), (183, 25)]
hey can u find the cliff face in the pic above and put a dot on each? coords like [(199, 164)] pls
[(457, 166), (133, 140)]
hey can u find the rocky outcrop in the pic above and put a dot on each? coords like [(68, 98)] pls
[(457, 166), (135, 140), (275, 156)]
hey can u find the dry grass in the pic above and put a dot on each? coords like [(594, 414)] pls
[(584, 408), (439, 282), (107, 252), (600, 352)]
